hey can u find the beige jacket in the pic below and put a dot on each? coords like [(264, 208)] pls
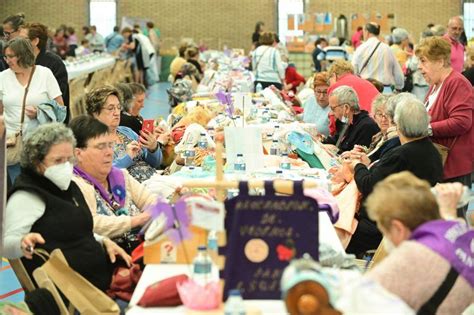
[(414, 272), (113, 226)]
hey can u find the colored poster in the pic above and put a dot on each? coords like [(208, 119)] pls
[(291, 22)]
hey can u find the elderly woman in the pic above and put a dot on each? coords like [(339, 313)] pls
[(417, 154), (266, 62), (117, 201), (353, 126), (23, 87), (140, 155), (56, 215), (425, 252), (133, 100), (316, 107), (450, 104)]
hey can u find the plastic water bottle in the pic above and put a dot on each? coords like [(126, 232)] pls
[(258, 88), (239, 164), (202, 267), (188, 155), (213, 252), (285, 162), (211, 132), (202, 143), (234, 304), (275, 148), (265, 116), (279, 174)]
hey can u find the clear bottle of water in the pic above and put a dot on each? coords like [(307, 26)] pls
[(202, 267), (239, 164), (285, 162), (188, 154), (258, 88), (234, 304), (275, 148), (265, 116), (202, 143)]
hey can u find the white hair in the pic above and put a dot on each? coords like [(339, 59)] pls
[(346, 95), (411, 118)]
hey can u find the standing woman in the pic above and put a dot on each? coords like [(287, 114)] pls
[(42, 87), (267, 65), (450, 103)]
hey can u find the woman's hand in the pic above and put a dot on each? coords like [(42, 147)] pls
[(361, 156), (148, 140), (133, 149), (141, 219), (113, 250), (28, 243), (448, 196), (31, 111), (331, 147)]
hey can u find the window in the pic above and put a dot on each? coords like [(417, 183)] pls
[(103, 14), (286, 7), (469, 19)]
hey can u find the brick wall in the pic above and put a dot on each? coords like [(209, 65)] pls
[(412, 15), (228, 22)]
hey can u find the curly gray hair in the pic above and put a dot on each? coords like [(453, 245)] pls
[(38, 143)]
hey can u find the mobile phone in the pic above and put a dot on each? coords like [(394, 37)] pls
[(148, 125)]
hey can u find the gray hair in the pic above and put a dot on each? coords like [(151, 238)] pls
[(38, 143), (438, 30), (346, 95), (334, 41), (23, 50), (126, 94), (411, 118), (399, 34), (394, 100), (379, 101)]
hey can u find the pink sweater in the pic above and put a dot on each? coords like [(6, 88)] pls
[(414, 272), (451, 119)]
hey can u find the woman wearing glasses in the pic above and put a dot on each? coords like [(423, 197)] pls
[(139, 154), (42, 88), (46, 209), (316, 108)]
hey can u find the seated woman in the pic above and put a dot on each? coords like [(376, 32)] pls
[(353, 126), (56, 214), (140, 155), (117, 201), (417, 154), (316, 107), (425, 252)]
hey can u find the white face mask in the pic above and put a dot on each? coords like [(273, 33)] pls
[(344, 119), (388, 245), (60, 175)]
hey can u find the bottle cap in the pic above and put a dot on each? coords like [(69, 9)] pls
[(239, 155), (203, 134), (202, 248), (279, 172), (275, 140), (284, 154), (234, 292)]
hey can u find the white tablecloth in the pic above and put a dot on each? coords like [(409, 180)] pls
[(77, 70), (154, 273)]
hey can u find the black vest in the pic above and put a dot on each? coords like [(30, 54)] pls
[(66, 224)]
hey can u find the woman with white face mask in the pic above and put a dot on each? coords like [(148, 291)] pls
[(46, 209), (425, 252)]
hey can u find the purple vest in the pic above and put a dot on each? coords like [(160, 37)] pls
[(451, 240)]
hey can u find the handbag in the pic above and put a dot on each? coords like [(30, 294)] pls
[(444, 150), (85, 297), (15, 142), (124, 281), (163, 293)]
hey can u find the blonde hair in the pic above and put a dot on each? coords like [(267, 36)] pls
[(435, 48), (402, 197), (321, 79), (340, 67)]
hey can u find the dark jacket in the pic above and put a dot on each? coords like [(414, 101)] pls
[(360, 132), (58, 68), (66, 224), (133, 122)]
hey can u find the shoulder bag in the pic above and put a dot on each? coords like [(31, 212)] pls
[(15, 142), (368, 59)]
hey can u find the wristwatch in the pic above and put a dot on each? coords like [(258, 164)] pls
[(430, 131)]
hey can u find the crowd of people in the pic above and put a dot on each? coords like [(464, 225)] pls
[(82, 178)]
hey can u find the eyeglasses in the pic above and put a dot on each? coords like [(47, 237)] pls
[(62, 160), (8, 34), (322, 92), (334, 107), (381, 115), (9, 57), (104, 145), (112, 108)]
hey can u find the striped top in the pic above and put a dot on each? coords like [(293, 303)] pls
[(383, 66)]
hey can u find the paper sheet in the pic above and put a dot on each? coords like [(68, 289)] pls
[(247, 141)]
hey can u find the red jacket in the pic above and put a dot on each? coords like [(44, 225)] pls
[(365, 90), (451, 120), (293, 77)]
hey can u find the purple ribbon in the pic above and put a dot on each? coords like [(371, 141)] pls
[(226, 99), (177, 219)]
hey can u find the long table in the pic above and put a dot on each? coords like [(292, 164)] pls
[(75, 70), (157, 272)]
